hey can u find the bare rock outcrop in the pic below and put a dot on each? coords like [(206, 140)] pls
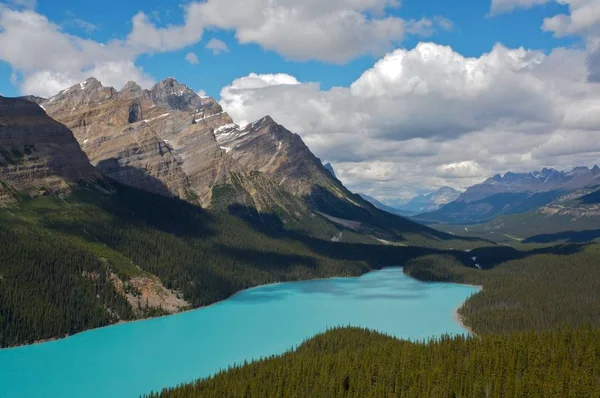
[(38, 155), (171, 141)]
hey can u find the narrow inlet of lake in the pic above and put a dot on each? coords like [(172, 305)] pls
[(135, 358)]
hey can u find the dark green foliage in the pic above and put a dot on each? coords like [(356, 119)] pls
[(541, 291), (204, 255), (358, 363), (50, 288), (537, 322)]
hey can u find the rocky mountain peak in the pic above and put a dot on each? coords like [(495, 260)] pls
[(596, 169), (580, 170), (37, 154), (80, 95), (175, 95), (131, 86)]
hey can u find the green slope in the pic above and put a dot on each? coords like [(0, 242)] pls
[(360, 363), (537, 328), (69, 263)]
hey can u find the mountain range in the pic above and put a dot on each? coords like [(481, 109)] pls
[(120, 205), (517, 193), (170, 141)]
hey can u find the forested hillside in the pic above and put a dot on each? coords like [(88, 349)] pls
[(360, 363), (544, 289), (536, 321), (107, 253)]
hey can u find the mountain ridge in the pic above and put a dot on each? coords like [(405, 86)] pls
[(170, 141), (516, 193)]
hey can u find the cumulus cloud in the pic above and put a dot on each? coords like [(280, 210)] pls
[(192, 58), (582, 19), (146, 37), (217, 46), (55, 59), (333, 31), (465, 169), (430, 117)]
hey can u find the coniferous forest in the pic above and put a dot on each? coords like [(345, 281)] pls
[(60, 257), (535, 321), (536, 325), (361, 363)]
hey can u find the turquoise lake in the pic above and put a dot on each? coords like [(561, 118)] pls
[(131, 359)]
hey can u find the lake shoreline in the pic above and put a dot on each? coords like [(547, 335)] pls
[(260, 324), (54, 339), (457, 317), (460, 319)]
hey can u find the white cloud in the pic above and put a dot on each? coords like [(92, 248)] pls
[(146, 37), (465, 169), (443, 22), (192, 58), (217, 46), (54, 59), (583, 19), (333, 31), (430, 117)]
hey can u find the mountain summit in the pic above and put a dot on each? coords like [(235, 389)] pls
[(169, 140)]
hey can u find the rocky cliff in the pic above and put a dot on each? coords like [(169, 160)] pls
[(37, 154), (170, 141)]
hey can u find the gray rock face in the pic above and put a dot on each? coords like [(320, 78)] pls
[(170, 141), (135, 140), (534, 182), (174, 95), (37, 154)]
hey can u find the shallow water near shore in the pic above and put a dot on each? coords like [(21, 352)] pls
[(130, 359)]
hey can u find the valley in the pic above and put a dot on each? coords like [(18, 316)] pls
[(299, 198), (140, 204), (255, 323)]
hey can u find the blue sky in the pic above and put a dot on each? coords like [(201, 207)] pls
[(403, 97), (473, 34)]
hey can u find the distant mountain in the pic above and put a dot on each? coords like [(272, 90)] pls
[(92, 251), (514, 193), (431, 201), (535, 182), (385, 207), (170, 141)]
